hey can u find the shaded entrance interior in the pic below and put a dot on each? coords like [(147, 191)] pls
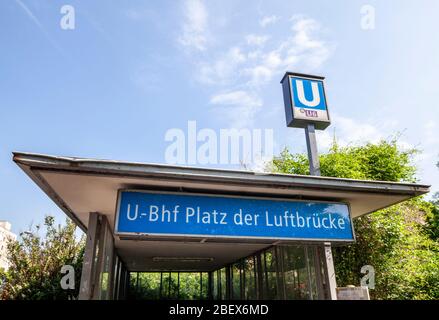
[(169, 285), (279, 272)]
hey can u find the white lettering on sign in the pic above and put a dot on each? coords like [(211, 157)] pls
[(136, 211), (162, 214), (315, 94), (199, 216), (289, 219)]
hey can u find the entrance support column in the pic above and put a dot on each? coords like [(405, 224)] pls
[(88, 265), (330, 271), (314, 170)]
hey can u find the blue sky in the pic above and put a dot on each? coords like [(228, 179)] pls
[(130, 70)]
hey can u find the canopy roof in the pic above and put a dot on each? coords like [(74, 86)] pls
[(80, 186)]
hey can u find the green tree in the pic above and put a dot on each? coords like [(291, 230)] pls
[(400, 242), (36, 262)]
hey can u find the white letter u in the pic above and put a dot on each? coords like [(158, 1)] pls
[(136, 212), (315, 94)]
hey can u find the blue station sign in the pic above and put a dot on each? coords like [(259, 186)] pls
[(305, 100), (171, 214)]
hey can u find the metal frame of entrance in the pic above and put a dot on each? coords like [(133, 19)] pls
[(273, 273)]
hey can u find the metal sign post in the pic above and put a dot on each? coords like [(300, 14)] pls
[(311, 145), (314, 170), (306, 107)]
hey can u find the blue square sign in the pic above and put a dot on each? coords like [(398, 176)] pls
[(305, 101), (308, 94)]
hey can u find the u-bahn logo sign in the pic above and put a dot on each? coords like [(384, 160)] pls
[(305, 100), (195, 215)]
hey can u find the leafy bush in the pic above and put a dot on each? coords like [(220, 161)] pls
[(35, 263)]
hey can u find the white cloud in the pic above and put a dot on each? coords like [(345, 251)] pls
[(195, 25), (224, 70), (238, 107), (430, 125), (139, 14), (243, 64), (349, 131), (267, 20), (431, 133), (259, 164), (304, 43), (429, 155), (251, 63), (259, 74), (353, 131), (236, 98), (256, 40), (133, 14)]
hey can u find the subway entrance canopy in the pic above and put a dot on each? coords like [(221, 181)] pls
[(149, 218)]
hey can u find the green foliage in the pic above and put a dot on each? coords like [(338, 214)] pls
[(290, 163), (432, 227), (35, 263), (400, 242), (394, 242), (382, 161)]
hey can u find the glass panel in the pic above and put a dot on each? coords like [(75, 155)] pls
[(312, 272), (262, 279), (166, 277), (296, 273), (321, 255), (204, 285), (132, 293), (250, 278), (223, 284), (282, 272), (270, 274), (190, 285), (173, 286), (148, 285), (236, 281), (215, 285)]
